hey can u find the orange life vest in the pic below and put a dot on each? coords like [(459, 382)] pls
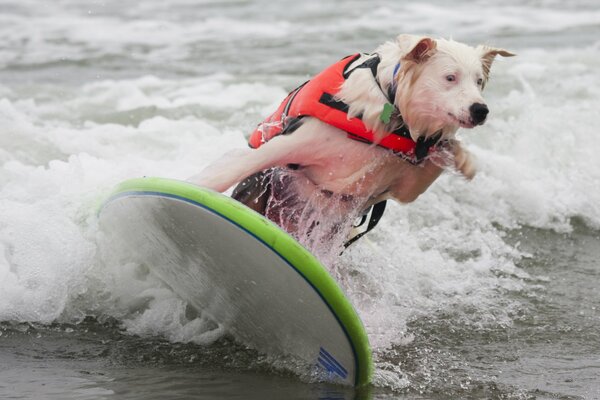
[(316, 98)]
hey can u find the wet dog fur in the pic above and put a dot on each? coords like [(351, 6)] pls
[(439, 90)]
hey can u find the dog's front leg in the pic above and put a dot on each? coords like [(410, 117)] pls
[(417, 179), (414, 181), (463, 161)]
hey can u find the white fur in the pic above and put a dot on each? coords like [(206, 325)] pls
[(428, 102)]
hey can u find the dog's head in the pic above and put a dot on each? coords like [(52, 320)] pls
[(439, 83)]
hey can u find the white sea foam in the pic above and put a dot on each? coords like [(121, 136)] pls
[(64, 145)]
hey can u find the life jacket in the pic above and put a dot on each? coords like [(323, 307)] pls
[(317, 98)]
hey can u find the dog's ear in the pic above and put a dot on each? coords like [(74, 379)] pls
[(416, 48), (488, 54)]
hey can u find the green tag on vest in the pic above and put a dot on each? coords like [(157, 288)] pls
[(386, 113)]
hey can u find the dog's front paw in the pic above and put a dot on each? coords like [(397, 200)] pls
[(464, 162)]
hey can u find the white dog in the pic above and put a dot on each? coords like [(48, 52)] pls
[(395, 114)]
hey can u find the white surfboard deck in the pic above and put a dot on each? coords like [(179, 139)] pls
[(243, 271)]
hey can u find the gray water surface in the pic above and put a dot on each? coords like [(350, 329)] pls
[(551, 352)]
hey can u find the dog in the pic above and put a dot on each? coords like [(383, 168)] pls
[(396, 112)]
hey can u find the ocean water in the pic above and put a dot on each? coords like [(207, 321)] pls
[(481, 289)]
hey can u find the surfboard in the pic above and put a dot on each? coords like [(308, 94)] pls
[(243, 271)]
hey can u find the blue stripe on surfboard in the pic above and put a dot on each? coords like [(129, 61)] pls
[(203, 206), (331, 364), (325, 354), (332, 368)]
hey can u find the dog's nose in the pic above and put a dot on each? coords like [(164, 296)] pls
[(478, 112)]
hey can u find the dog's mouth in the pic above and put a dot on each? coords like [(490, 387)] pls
[(463, 123)]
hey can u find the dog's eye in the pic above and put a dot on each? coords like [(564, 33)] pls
[(450, 78), (479, 82)]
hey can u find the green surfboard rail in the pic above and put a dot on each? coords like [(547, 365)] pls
[(281, 242)]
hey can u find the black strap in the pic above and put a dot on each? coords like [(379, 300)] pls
[(330, 101), (291, 97), (347, 71), (423, 145), (372, 63), (291, 124), (376, 215)]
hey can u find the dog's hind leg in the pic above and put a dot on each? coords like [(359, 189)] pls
[(297, 148), (254, 191)]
